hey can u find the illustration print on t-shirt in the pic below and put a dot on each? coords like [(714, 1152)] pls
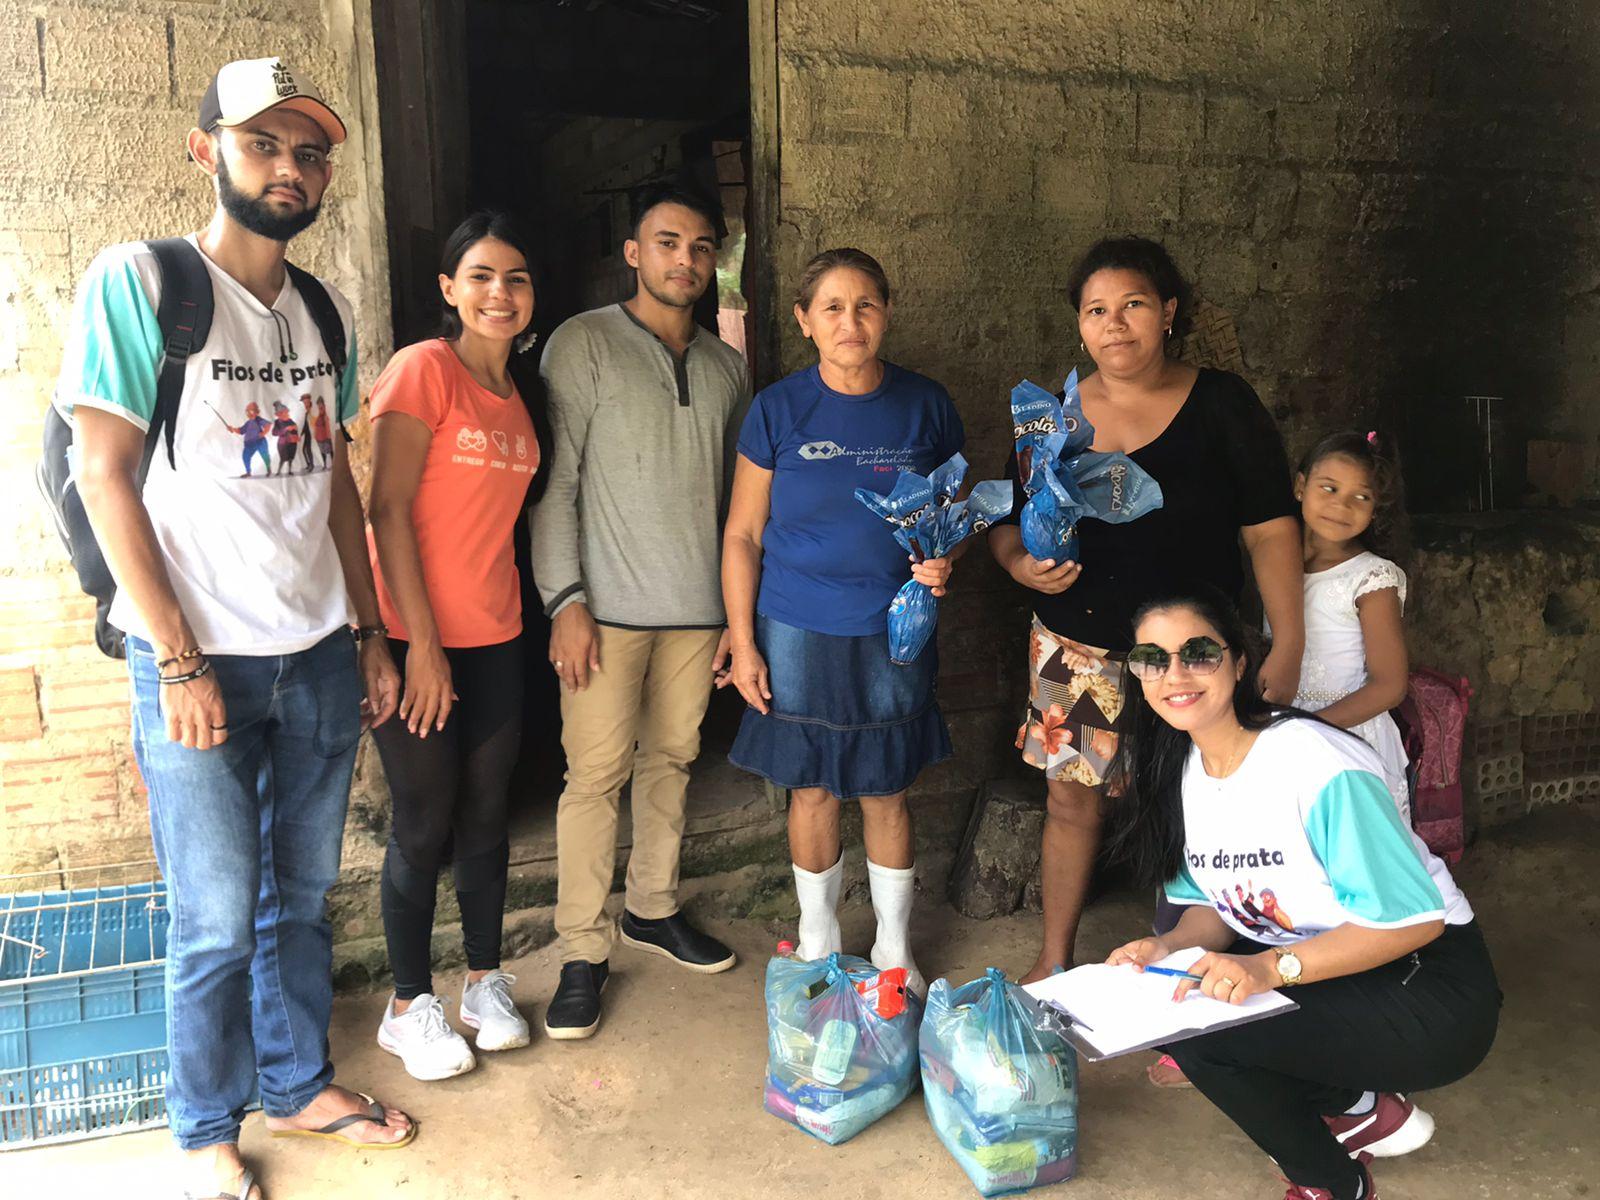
[(322, 433), (1261, 915), (254, 430), (287, 431), (294, 425)]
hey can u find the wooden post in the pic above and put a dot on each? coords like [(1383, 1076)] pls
[(762, 235), (420, 52)]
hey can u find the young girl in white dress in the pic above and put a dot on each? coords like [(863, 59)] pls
[(1355, 665)]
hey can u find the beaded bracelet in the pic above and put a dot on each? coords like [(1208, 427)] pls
[(191, 652), (362, 632), (203, 669)]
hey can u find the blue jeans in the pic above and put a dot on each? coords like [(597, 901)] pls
[(248, 836)]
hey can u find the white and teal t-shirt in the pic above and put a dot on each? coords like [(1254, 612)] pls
[(243, 519), (1303, 837)]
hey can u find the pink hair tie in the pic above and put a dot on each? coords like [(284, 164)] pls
[(1372, 437)]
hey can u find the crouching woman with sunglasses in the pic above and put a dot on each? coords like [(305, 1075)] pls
[(1277, 833)]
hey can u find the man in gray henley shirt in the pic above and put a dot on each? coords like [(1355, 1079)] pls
[(645, 409)]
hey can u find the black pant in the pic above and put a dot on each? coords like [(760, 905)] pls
[(1420, 1022), (449, 792)]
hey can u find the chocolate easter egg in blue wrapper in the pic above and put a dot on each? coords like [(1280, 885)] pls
[(929, 522), (1050, 518), (1064, 480), (913, 613)]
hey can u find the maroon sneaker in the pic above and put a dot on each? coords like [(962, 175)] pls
[(1296, 1192), (1395, 1126)]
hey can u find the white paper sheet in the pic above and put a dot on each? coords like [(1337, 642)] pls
[(1117, 1010)]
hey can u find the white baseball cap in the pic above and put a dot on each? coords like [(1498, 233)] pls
[(250, 86)]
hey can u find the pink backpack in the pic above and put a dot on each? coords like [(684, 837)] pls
[(1433, 723)]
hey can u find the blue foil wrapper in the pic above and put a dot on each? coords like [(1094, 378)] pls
[(929, 522), (1066, 481), (1115, 488), (913, 613), (1049, 520)]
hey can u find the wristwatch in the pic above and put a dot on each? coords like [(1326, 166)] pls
[(362, 632), (1289, 967)]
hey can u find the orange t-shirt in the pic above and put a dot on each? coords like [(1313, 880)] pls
[(474, 481)]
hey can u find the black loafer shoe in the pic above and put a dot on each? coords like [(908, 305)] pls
[(574, 1012), (673, 937)]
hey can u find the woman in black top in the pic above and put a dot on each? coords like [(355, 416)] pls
[(1204, 436)]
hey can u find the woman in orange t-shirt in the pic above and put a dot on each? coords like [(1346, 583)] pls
[(458, 440)]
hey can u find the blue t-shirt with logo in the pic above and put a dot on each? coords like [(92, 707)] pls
[(828, 563)]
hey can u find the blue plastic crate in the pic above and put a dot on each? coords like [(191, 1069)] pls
[(82, 1013)]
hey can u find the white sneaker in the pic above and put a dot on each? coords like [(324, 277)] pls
[(486, 1006), (424, 1041)]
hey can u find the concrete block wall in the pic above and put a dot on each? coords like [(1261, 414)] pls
[(95, 99), (1389, 198)]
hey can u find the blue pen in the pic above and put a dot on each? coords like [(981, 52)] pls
[(1175, 973)]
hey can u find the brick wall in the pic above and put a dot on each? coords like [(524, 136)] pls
[(1386, 201), (95, 99)]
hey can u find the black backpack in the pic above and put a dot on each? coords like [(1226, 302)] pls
[(184, 317)]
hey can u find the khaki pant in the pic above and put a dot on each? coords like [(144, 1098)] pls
[(651, 693)]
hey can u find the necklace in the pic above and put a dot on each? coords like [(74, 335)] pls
[(1239, 745)]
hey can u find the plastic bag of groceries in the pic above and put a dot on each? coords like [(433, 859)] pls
[(1000, 1084), (841, 1043), (929, 522), (1066, 481)]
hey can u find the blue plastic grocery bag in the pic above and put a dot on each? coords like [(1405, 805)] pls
[(1000, 1084), (834, 1065)]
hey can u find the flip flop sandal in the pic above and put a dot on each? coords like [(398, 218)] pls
[(332, 1128), (1176, 1078), (246, 1182)]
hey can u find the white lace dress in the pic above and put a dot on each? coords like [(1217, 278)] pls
[(1335, 662)]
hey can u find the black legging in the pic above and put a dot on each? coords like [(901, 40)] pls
[(449, 793), (1420, 1022)]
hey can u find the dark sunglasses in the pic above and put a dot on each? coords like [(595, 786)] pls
[(1199, 656)]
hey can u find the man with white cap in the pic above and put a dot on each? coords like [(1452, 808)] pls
[(238, 592)]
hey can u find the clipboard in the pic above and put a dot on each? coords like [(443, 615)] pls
[(1127, 1005)]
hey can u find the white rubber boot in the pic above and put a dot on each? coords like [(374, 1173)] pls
[(819, 910), (892, 889)]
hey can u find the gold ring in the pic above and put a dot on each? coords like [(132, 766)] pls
[(1229, 982)]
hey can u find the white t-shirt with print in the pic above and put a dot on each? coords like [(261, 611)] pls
[(242, 520), (1304, 837)]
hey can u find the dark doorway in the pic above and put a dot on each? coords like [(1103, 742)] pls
[(559, 111)]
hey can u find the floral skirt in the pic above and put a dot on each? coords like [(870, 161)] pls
[(1069, 730)]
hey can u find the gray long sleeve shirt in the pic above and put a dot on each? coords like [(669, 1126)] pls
[(630, 523)]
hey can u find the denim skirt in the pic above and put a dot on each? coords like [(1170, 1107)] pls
[(843, 717)]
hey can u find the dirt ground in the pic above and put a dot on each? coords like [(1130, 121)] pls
[(665, 1101)]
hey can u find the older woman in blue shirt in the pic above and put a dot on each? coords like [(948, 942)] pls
[(807, 576)]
